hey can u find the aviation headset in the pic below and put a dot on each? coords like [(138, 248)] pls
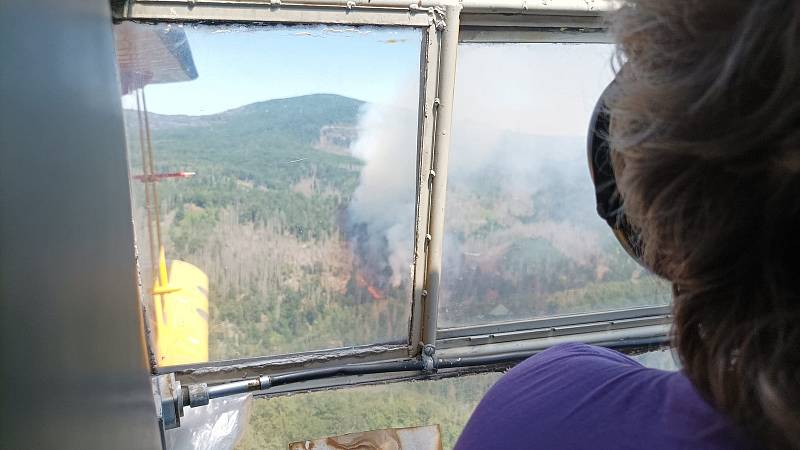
[(609, 201)]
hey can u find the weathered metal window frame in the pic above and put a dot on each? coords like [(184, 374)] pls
[(645, 325), (445, 23), (433, 126)]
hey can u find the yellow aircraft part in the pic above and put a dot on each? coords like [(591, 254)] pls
[(162, 285), (181, 310)]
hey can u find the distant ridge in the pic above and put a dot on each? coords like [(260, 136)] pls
[(308, 112), (322, 101)]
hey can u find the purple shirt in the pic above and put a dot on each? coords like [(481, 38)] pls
[(576, 396)]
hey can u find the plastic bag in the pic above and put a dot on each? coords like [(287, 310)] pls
[(218, 425)]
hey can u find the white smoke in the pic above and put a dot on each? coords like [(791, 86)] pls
[(385, 197), (520, 112)]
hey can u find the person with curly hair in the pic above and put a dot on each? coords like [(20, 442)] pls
[(701, 130)]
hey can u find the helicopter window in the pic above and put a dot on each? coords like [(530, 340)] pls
[(259, 157), (523, 240), (287, 189)]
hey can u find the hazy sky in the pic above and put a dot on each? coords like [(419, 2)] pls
[(547, 89), (544, 93), (238, 65)]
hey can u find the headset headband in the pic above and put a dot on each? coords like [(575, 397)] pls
[(609, 201)]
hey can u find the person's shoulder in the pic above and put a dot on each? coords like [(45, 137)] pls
[(568, 396), (567, 373), (582, 351), (573, 360), (580, 396)]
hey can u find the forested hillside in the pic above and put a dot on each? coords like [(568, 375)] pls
[(268, 217), (265, 218), (524, 240)]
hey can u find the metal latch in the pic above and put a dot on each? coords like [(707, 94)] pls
[(171, 397), (168, 398)]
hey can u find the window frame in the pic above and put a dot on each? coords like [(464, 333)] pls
[(431, 21), (444, 24), (649, 325)]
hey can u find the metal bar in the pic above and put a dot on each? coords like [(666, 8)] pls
[(349, 375), (348, 4), (150, 345), (444, 118), (510, 35), (530, 20), (541, 333), (550, 322), (199, 394), (276, 13), (637, 345), (151, 170), (430, 68), (555, 7), (148, 200), (361, 369), (238, 387), (552, 7), (603, 338), (224, 371), (342, 382), (446, 368)]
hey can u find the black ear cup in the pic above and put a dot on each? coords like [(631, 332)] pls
[(609, 201)]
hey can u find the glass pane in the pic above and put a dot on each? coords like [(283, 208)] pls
[(275, 422), (662, 359), (255, 152), (523, 239)]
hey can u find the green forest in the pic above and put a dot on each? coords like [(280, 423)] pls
[(263, 218), (266, 218), (276, 422)]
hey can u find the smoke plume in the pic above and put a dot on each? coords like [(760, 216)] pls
[(385, 198), (520, 119)]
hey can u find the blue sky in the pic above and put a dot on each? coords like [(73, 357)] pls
[(538, 88), (238, 65)]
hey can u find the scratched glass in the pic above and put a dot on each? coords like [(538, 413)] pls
[(272, 184), (662, 359), (522, 238)]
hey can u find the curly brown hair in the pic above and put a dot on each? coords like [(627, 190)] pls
[(706, 142)]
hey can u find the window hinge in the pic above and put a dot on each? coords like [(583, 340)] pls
[(171, 397)]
